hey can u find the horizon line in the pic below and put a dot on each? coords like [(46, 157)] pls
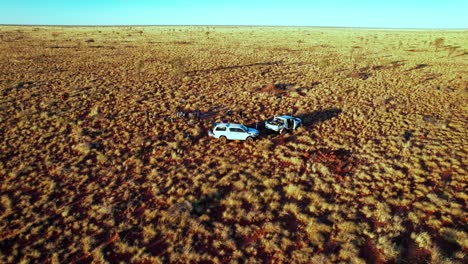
[(227, 25)]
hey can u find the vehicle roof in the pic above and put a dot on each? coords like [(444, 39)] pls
[(229, 125), (285, 117)]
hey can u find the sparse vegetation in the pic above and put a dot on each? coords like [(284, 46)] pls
[(96, 167)]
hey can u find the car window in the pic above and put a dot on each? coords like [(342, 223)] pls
[(235, 129), (220, 129)]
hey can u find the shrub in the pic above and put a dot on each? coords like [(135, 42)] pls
[(438, 43)]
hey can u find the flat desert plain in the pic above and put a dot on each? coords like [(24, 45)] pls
[(96, 167)]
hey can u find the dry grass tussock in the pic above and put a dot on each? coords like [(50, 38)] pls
[(96, 167)]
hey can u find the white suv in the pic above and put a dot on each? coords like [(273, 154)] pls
[(224, 131), (281, 123)]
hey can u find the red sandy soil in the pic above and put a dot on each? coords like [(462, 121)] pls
[(95, 166)]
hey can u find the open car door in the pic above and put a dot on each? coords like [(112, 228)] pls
[(296, 124), (290, 123)]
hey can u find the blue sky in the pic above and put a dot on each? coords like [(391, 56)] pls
[(357, 13)]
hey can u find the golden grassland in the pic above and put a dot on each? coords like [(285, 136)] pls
[(93, 169)]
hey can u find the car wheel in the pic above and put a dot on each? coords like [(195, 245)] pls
[(281, 131), (222, 139), (249, 139)]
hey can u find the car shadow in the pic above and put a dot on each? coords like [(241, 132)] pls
[(231, 67), (319, 116)]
